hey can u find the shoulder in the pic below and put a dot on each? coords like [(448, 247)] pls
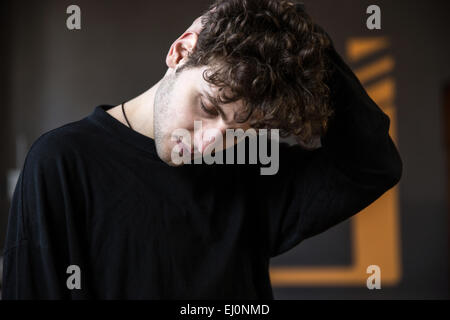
[(62, 143)]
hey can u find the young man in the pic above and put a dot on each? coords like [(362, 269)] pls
[(102, 211)]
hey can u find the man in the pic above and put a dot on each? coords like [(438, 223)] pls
[(102, 211)]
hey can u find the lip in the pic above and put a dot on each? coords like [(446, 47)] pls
[(184, 148)]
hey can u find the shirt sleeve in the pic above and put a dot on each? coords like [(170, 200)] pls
[(356, 164), (36, 253)]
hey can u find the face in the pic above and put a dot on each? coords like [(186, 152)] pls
[(182, 99)]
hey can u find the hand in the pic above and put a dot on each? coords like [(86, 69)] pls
[(315, 143)]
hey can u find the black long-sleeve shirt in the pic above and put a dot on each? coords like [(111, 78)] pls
[(93, 193)]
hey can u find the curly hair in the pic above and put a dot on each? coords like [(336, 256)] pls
[(272, 56)]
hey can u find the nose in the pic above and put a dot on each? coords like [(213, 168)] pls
[(208, 137)]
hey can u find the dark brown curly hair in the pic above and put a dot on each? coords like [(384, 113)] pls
[(271, 55)]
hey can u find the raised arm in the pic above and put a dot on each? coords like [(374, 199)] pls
[(357, 163)]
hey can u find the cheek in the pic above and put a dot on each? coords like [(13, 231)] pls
[(183, 115), (178, 118), (182, 120), (182, 107)]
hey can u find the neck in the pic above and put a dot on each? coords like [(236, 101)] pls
[(139, 112)]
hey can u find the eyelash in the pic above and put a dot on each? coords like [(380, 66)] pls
[(209, 112)]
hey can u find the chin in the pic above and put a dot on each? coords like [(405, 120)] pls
[(165, 155), (170, 163)]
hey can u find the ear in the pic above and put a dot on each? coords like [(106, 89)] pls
[(181, 48)]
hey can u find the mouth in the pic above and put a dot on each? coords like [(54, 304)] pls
[(184, 149)]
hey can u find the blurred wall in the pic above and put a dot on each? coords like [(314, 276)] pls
[(51, 76)]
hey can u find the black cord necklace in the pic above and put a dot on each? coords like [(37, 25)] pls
[(123, 111)]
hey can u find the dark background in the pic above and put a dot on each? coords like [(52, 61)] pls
[(50, 76)]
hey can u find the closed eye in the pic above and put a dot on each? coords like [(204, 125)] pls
[(211, 112)]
